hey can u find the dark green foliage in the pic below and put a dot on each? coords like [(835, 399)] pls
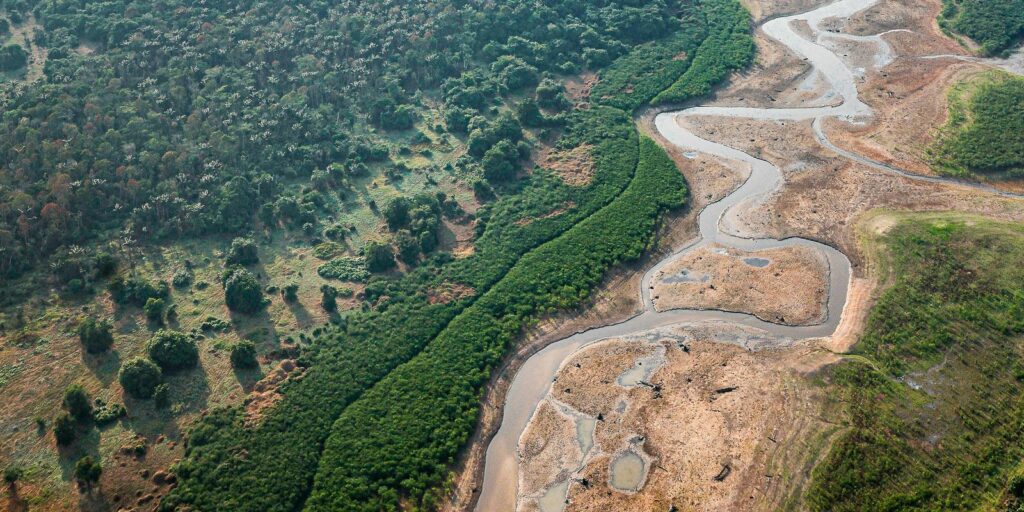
[(139, 377), (154, 310), (996, 25), (5, 26), (379, 257), (243, 355), (282, 455), (76, 403), (105, 264), (182, 278), (105, 414), (12, 56), (65, 429), (242, 291), (12, 474), (161, 396), (985, 131), (95, 335), (952, 321), (345, 268), (136, 291), (500, 162), (242, 252), (290, 292), (87, 472), (403, 450), (328, 298), (173, 351)]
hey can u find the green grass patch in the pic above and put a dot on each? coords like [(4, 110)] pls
[(933, 398), (984, 135)]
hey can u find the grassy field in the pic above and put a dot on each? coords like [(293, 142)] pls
[(984, 135), (932, 396)]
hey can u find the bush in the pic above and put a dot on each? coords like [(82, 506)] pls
[(161, 396), (95, 335), (65, 429), (139, 378), (242, 252), (106, 264), (328, 299), (87, 472), (243, 355), (242, 292), (76, 402), (379, 257), (154, 310), (12, 56), (182, 278), (12, 474), (173, 351), (136, 291), (290, 292), (104, 414)]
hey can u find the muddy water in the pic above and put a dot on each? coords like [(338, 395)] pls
[(627, 472), (533, 380)]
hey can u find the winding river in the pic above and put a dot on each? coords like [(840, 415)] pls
[(533, 380)]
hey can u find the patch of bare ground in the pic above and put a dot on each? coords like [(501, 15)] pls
[(761, 10), (575, 166), (553, 213), (823, 194), (778, 78), (786, 285), (577, 88), (616, 300), (457, 238), (449, 292), (713, 422), (265, 392)]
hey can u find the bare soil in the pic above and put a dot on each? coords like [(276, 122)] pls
[(791, 288)]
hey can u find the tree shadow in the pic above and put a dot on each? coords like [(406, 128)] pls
[(104, 366), (15, 503), (301, 314), (248, 377)]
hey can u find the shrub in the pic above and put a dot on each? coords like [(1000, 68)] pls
[(87, 472), (345, 269), (106, 264), (181, 278), (290, 292), (243, 355), (104, 414), (12, 474), (328, 299), (139, 378), (65, 429), (161, 396), (173, 351), (154, 310), (242, 252), (379, 257), (76, 402), (242, 292), (136, 291), (95, 335)]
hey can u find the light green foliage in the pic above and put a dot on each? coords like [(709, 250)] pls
[(933, 403), (984, 136)]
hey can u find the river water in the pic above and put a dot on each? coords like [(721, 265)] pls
[(533, 380)]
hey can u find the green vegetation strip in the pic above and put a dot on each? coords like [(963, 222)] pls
[(400, 436), (984, 135), (934, 401), (996, 25), (271, 465)]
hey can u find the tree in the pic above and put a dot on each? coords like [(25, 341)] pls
[(154, 310), (328, 298), (379, 257), (77, 403), (95, 335), (87, 473), (408, 246), (65, 429), (173, 351), (12, 56), (12, 474), (242, 291), (242, 252), (290, 292), (161, 396), (500, 161), (139, 378), (243, 355), (396, 212)]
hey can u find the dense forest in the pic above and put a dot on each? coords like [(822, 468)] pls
[(154, 123), (415, 366), (996, 25), (933, 400)]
